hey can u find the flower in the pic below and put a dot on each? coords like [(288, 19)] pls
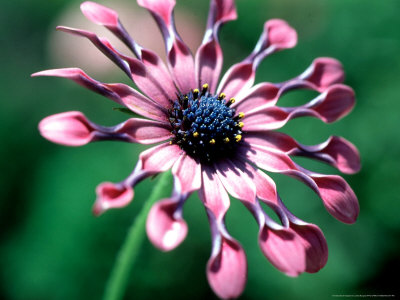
[(217, 138)]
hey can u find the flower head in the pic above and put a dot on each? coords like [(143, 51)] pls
[(218, 139)]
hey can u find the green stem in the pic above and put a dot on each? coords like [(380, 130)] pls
[(118, 280)]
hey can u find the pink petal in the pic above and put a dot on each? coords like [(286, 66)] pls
[(164, 229), (324, 72), (335, 103), (265, 187), (213, 194), (69, 128), (150, 75), (120, 93), (99, 14), (101, 44), (338, 197), (188, 173), (144, 131), (160, 158), (267, 158), (336, 151), (284, 249), (162, 9), (208, 63), (280, 34), (240, 77), (272, 139), (137, 102), (263, 94), (110, 195), (315, 246), (180, 60), (233, 176), (344, 154), (227, 271)]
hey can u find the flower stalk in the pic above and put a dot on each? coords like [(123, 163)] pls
[(118, 280)]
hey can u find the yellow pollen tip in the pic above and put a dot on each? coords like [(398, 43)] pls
[(212, 141), (205, 86), (196, 91), (241, 115), (241, 124), (232, 100), (170, 142), (195, 134), (238, 138), (226, 140), (222, 96)]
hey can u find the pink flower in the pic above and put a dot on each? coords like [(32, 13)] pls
[(217, 138)]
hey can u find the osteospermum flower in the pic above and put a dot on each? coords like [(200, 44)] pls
[(218, 139)]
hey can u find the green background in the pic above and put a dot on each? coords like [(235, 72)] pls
[(53, 248)]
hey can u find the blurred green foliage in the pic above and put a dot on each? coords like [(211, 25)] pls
[(53, 248)]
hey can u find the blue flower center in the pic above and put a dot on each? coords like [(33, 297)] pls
[(205, 126)]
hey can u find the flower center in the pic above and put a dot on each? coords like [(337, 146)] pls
[(205, 126)]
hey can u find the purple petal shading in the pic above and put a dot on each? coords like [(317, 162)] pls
[(337, 196), (151, 76), (209, 57), (335, 103), (118, 92), (69, 128), (99, 43), (110, 195), (165, 226), (336, 151), (180, 60), (143, 131), (323, 72), (277, 35), (159, 158), (108, 18), (188, 173), (314, 243)]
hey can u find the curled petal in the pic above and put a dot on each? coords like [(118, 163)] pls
[(188, 173), (323, 72), (335, 103), (99, 14), (284, 249), (69, 128), (213, 194), (315, 246), (227, 270), (110, 195), (279, 34), (180, 60), (338, 197), (165, 227), (118, 92), (101, 45), (336, 151), (160, 158), (108, 18), (332, 105), (208, 63)]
